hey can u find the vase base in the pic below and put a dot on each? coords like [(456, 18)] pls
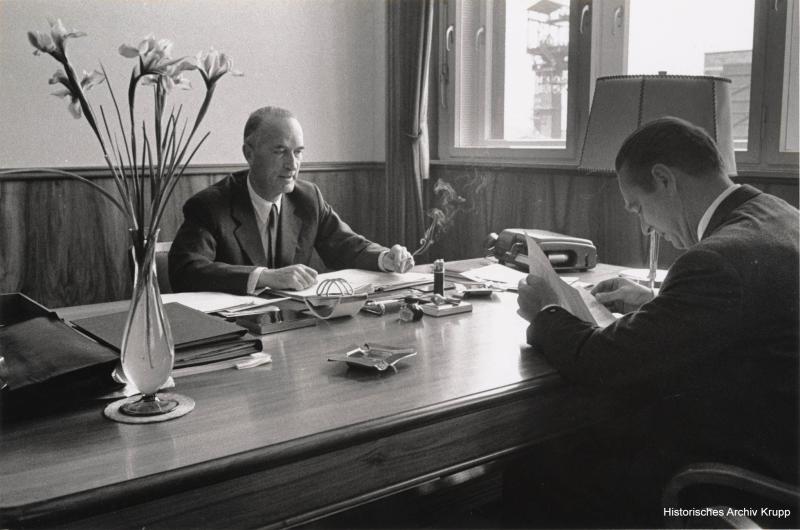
[(148, 406), (136, 409)]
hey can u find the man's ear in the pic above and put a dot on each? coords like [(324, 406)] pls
[(664, 178), (247, 151)]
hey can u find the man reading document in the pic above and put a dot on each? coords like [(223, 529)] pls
[(258, 228), (713, 358)]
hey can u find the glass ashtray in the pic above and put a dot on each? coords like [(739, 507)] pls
[(373, 356)]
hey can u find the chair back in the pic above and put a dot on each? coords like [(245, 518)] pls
[(162, 266)]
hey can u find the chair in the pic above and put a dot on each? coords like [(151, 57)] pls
[(162, 266), (740, 482)]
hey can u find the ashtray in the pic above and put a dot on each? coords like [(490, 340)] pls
[(374, 356)]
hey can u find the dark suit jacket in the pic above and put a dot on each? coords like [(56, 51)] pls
[(218, 244), (718, 347)]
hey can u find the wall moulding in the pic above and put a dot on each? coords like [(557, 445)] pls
[(99, 172)]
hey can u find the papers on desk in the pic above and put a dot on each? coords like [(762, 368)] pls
[(642, 276), (240, 363), (209, 302), (363, 281), (579, 301), (497, 274)]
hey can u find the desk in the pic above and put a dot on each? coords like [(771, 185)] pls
[(301, 438)]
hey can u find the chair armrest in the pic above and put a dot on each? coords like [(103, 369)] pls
[(729, 476), (732, 477)]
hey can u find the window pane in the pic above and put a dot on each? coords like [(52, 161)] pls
[(697, 37), (537, 50), (512, 79)]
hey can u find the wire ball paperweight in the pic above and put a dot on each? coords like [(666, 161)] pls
[(335, 298)]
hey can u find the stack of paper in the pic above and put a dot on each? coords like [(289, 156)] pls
[(362, 281), (496, 274)]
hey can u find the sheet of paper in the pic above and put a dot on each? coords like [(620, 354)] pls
[(363, 281), (579, 302), (642, 276), (601, 313), (208, 302), (496, 273)]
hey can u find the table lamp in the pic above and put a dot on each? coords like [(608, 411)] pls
[(623, 103)]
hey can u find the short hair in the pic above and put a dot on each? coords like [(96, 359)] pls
[(261, 116), (670, 141)]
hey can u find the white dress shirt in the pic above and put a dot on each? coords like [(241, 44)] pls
[(703, 224), (262, 208)]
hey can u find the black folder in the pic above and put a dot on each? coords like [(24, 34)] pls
[(190, 327), (198, 338), (48, 365)]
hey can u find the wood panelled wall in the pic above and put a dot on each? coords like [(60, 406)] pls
[(588, 206), (63, 244)]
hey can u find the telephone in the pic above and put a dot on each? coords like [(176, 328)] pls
[(564, 252)]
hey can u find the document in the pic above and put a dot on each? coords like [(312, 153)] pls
[(579, 302), (362, 281), (210, 302), (496, 273)]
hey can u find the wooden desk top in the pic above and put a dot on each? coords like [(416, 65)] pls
[(299, 407)]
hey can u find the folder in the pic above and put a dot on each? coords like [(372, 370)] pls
[(198, 338), (48, 365), (190, 327)]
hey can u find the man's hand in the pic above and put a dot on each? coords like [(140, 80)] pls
[(292, 277), (621, 295), (398, 259), (534, 294)]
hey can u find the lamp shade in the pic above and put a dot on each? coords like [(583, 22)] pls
[(622, 104)]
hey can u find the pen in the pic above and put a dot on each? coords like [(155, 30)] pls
[(235, 308), (651, 277)]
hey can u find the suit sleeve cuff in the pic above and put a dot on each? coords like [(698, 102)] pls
[(380, 261), (252, 280), (552, 308)]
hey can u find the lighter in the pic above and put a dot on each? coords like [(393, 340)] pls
[(438, 277)]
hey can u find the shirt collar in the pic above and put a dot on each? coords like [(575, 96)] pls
[(703, 224), (261, 205)]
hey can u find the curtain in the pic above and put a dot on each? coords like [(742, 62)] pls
[(410, 37)]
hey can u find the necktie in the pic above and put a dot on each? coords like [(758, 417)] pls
[(272, 235)]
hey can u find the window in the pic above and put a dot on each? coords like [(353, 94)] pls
[(517, 85), (516, 75), (742, 40), (721, 49)]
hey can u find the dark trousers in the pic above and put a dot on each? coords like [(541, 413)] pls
[(590, 479)]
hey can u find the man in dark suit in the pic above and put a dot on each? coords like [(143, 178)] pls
[(714, 353), (258, 228)]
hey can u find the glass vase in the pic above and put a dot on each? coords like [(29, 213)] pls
[(147, 347)]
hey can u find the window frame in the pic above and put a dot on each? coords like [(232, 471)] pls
[(602, 31), (514, 152), (763, 155)]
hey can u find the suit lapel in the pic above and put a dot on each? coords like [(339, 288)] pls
[(289, 231), (246, 231), (731, 202)]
